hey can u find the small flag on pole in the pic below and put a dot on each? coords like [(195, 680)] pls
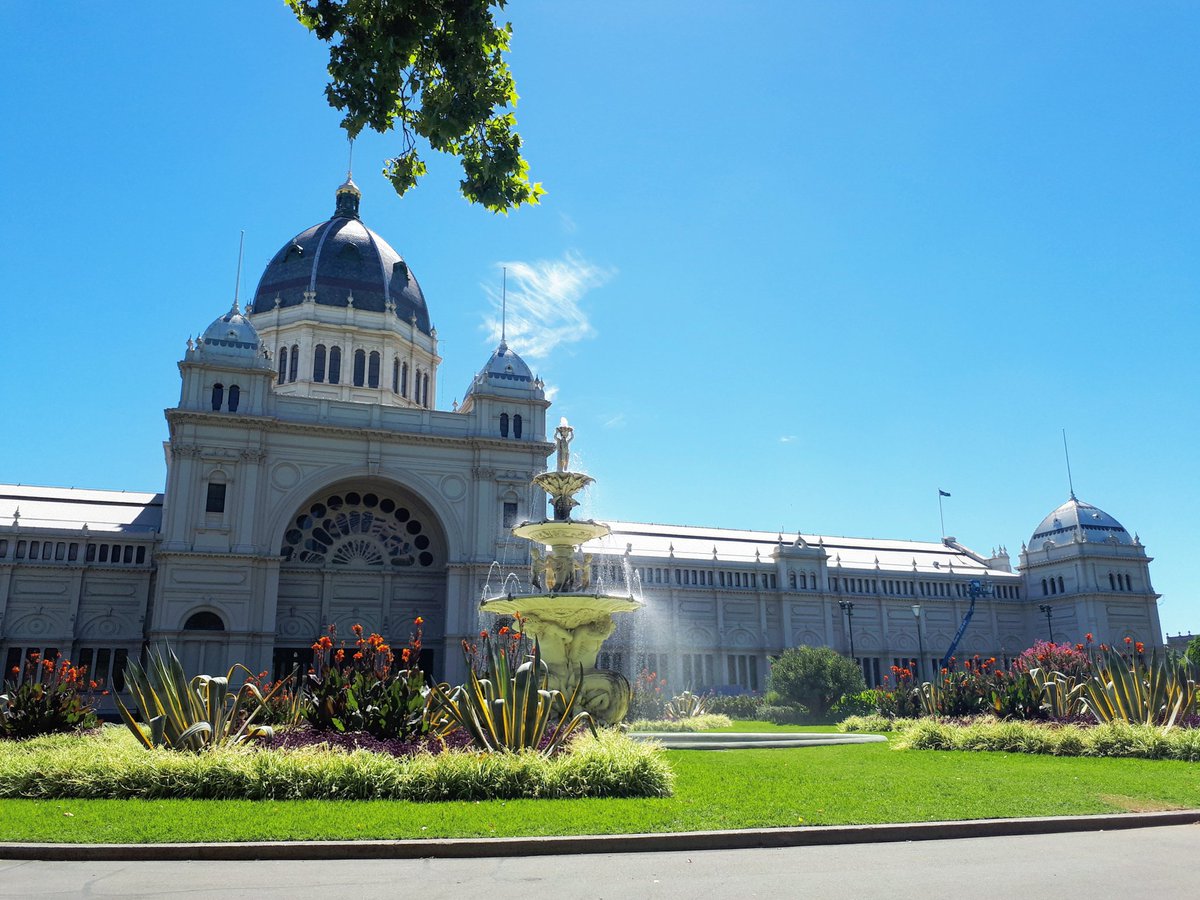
[(942, 493)]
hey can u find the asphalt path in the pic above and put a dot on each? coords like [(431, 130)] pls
[(1163, 863)]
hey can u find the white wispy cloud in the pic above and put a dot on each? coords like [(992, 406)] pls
[(545, 303), (615, 421), (787, 438)]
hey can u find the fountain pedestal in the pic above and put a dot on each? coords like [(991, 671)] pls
[(569, 620)]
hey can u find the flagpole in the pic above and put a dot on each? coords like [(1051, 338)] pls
[(941, 515)]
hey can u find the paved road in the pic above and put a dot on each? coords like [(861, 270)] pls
[(1163, 863)]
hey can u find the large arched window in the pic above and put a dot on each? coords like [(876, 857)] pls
[(395, 376), (517, 426), (283, 361), (425, 389), (319, 363), (503, 424), (360, 367), (295, 370), (1045, 591), (404, 380), (361, 530), (373, 369), (335, 365), (235, 396), (204, 621), (218, 396), (1112, 582), (1061, 588)]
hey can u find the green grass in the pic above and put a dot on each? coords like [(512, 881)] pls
[(732, 789)]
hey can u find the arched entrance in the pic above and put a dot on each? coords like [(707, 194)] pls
[(370, 554), (202, 644)]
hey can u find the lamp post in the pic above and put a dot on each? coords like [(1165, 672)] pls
[(848, 609), (1045, 608), (916, 608)]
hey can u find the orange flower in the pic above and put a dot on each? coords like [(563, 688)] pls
[(1140, 647), (503, 629), (357, 629), (483, 634), (1088, 637), (418, 621), (339, 656), (358, 655), (404, 655), (1128, 641)]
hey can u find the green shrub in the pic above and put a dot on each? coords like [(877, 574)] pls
[(782, 714), (1012, 736), (863, 703), (875, 723), (111, 765), (815, 677), (705, 722), (47, 697), (736, 706)]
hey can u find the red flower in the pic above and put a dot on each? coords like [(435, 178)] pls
[(358, 655), (503, 629), (404, 655), (1088, 637), (418, 621), (1128, 641), (357, 629), (1140, 647), (339, 656), (483, 634)]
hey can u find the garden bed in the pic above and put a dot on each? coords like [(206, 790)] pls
[(111, 764)]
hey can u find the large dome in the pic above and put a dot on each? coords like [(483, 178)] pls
[(339, 259), (1076, 518)]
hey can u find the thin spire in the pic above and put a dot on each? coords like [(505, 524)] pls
[(503, 302), (1067, 455), (350, 162), (237, 288)]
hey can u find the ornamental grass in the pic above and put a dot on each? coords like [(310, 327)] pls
[(704, 722), (1112, 739), (110, 764)]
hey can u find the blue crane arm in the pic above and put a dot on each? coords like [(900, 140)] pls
[(961, 631)]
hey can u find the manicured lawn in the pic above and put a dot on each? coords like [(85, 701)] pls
[(731, 789)]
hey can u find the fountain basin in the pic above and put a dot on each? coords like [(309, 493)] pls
[(557, 532), (562, 484), (565, 610)]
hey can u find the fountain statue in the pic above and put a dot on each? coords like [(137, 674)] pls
[(569, 619)]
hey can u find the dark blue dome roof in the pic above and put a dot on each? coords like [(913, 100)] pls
[(339, 258)]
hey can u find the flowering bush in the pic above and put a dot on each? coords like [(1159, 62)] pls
[(1074, 661), (284, 700), (899, 696), (648, 700), (52, 697), (361, 688)]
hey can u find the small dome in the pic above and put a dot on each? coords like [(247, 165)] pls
[(339, 262), (505, 369), (1078, 520), (230, 335)]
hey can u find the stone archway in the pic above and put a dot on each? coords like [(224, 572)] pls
[(367, 553)]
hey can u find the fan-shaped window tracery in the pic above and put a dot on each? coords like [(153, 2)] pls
[(359, 529)]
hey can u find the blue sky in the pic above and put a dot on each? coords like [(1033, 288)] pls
[(802, 263)]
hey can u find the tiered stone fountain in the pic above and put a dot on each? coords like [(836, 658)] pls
[(569, 619)]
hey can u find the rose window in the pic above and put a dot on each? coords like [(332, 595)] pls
[(360, 530)]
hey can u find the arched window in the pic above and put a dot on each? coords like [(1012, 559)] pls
[(373, 369), (404, 380), (425, 389), (204, 621), (503, 424), (295, 370), (1044, 590), (792, 580), (1112, 582), (1128, 583), (319, 363), (517, 426), (360, 367), (283, 361), (395, 376), (235, 395), (218, 396), (1061, 589), (335, 365)]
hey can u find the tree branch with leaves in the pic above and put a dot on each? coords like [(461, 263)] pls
[(433, 69)]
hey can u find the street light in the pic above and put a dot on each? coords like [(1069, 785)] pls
[(848, 609), (916, 608), (1049, 627)]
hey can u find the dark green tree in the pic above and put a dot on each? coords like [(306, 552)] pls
[(816, 677), (1193, 650), (433, 69)]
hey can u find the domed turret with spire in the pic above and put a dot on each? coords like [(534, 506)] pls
[(344, 316)]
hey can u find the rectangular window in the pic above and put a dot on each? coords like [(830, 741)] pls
[(128, 558), (90, 555), (3, 547), (60, 550), (34, 548), (215, 502), (104, 553), (141, 555), (72, 553), (510, 515)]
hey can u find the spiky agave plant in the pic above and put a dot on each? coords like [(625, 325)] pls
[(195, 714), (1159, 692), (1059, 694), (686, 705), (511, 709)]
